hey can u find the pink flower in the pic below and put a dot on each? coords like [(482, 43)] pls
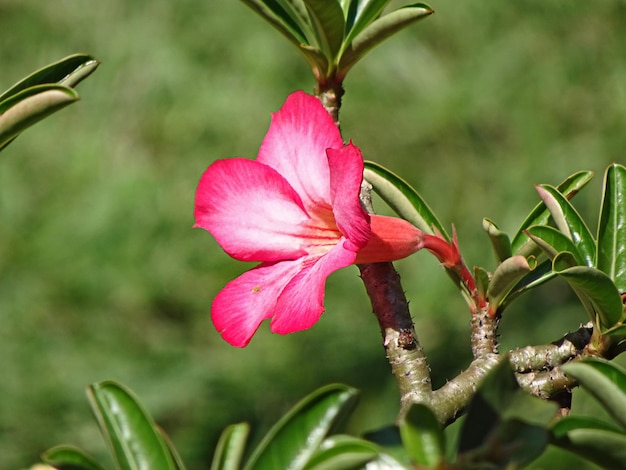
[(295, 209)]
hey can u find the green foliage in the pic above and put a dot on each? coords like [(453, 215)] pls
[(41, 94)]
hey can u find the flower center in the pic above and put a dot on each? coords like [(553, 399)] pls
[(320, 234)]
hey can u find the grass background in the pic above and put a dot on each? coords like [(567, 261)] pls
[(102, 277)]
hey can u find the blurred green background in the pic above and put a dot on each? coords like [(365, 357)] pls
[(102, 276)]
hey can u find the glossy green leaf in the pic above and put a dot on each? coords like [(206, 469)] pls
[(389, 439), (402, 198), (541, 274), (422, 436), (605, 381), (342, 452), (568, 423), (230, 447), (569, 222), (70, 458), (499, 240), (29, 106), (505, 278), (552, 241), (328, 25), (379, 30), (130, 432), (540, 215), (296, 437), (361, 13), (611, 257), (595, 289), (481, 276), (67, 72), (282, 17), (604, 448)]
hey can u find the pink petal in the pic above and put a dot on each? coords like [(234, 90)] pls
[(302, 302), (295, 146), (251, 210), (392, 239), (245, 302), (346, 175)]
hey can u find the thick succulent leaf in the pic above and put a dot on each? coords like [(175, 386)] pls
[(540, 214), (129, 430), (296, 437), (605, 381), (342, 452), (67, 72), (505, 278), (611, 257), (378, 31), (594, 288), (604, 448), (402, 198), (361, 13), (29, 106), (552, 242), (499, 240), (422, 436), (569, 222), (564, 425), (328, 24), (70, 458), (230, 447), (481, 276)]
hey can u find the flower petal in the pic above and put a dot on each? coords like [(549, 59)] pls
[(295, 146), (392, 239), (251, 210), (302, 301), (346, 175), (245, 302)]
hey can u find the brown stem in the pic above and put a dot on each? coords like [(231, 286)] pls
[(330, 94)]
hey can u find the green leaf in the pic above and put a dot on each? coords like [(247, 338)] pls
[(230, 447), (594, 288), (389, 439), (540, 214), (29, 106), (499, 240), (283, 17), (568, 423), (67, 72), (360, 14), (482, 281), (70, 458), (569, 222), (611, 257), (553, 242), (296, 437), (505, 278), (541, 274), (402, 198), (604, 448), (328, 25), (605, 381), (342, 452), (131, 433), (422, 436), (378, 31), (178, 462)]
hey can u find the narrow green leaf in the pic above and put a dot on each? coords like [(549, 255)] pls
[(328, 24), (553, 242), (569, 222), (541, 274), (296, 437), (594, 288), (422, 436), (505, 278), (230, 447), (499, 240), (611, 257), (67, 72), (283, 18), (540, 215), (342, 452), (360, 14), (178, 461), (29, 106), (70, 458), (604, 448), (130, 431), (481, 276), (378, 31), (605, 381), (402, 198), (564, 425), (389, 439)]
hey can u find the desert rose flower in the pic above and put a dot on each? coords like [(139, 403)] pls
[(296, 210)]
